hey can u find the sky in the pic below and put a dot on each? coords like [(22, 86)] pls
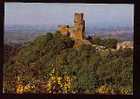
[(59, 13)]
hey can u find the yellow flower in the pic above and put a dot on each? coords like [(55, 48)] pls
[(27, 88), (19, 89), (124, 91), (33, 86), (49, 84), (59, 78), (104, 89), (61, 85), (67, 78), (53, 78)]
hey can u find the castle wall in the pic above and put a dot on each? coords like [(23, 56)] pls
[(77, 31), (64, 29)]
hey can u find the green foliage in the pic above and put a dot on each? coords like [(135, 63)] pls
[(124, 53), (109, 43), (92, 69), (97, 41)]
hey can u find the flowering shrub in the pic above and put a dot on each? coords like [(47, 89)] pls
[(59, 84), (22, 88), (19, 89), (105, 89), (54, 84), (124, 91)]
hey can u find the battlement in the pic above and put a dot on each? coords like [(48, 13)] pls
[(78, 17)]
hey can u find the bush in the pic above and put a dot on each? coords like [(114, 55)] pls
[(109, 43)]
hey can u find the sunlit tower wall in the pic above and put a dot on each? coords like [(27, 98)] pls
[(79, 25)]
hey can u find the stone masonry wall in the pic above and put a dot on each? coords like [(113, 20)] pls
[(77, 31)]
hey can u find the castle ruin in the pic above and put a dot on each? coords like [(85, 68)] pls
[(77, 31)]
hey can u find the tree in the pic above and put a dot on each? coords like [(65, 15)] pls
[(110, 43)]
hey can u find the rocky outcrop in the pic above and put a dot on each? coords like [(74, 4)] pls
[(125, 44)]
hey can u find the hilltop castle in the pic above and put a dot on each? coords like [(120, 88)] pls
[(77, 31)]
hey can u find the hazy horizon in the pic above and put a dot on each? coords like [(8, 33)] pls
[(54, 14)]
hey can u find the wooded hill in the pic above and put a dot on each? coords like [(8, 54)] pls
[(51, 64)]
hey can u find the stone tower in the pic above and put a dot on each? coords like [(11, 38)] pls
[(79, 26), (77, 31)]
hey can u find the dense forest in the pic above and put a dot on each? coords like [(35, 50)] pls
[(52, 64)]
